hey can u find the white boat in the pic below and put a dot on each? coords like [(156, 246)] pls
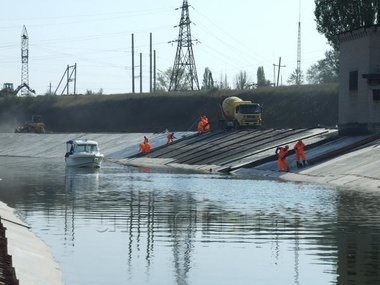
[(83, 153)]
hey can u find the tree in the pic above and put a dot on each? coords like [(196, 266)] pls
[(208, 81), (325, 70), (261, 81), (224, 85), (241, 82), (163, 80), (338, 16), (293, 78)]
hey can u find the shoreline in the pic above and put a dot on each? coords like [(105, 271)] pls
[(29, 253)]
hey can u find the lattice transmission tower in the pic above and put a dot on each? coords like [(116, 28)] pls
[(298, 70), (24, 62), (184, 71)]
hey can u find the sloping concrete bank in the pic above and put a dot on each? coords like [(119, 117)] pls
[(31, 257), (358, 169)]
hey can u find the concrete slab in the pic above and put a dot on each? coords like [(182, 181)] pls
[(31, 257)]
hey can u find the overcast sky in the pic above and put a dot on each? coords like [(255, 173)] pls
[(233, 36)]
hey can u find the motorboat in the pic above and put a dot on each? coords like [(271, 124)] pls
[(83, 153)]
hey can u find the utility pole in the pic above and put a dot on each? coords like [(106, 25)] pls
[(184, 69), (133, 64), (279, 67), (140, 72), (154, 71), (150, 65), (70, 77)]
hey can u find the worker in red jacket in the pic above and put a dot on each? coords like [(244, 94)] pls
[(170, 137), (282, 163), (300, 154)]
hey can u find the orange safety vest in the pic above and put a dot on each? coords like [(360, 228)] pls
[(282, 152)]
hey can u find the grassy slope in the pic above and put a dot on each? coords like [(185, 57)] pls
[(287, 106)]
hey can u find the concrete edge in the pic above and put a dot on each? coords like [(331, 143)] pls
[(31, 257)]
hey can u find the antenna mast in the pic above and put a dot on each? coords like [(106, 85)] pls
[(24, 62), (184, 71), (298, 71)]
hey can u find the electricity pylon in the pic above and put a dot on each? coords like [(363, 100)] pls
[(184, 72), (298, 70), (24, 62)]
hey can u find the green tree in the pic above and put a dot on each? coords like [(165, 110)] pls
[(338, 16), (325, 70), (208, 81), (261, 81), (293, 78)]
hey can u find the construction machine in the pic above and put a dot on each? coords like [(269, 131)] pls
[(9, 91), (237, 113), (34, 126)]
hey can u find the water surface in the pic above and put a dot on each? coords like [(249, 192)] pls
[(123, 225)]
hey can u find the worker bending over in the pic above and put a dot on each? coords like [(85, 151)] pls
[(203, 125), (300, 154), (145, 146), (170, 137), (282, 163)]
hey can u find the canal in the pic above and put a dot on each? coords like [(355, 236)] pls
[(125, 225)]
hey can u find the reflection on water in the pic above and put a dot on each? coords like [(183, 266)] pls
[(121, 225)]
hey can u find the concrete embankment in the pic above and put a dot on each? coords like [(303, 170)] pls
[(31, 258)]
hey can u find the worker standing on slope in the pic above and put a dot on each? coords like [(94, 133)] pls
[(282, 163), (300, 154), (170, 137)]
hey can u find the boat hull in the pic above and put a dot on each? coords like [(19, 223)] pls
[(84, 160)]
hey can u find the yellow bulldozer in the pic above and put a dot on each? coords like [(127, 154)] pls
[(34, 126)]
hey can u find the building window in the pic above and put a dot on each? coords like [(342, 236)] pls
[(354, 80), (376, 94)]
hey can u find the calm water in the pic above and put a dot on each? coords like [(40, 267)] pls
[(122, 225)]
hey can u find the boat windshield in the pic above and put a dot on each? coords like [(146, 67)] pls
[(86, 148), (249, 109)]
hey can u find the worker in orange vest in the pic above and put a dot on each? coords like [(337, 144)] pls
[(203, 124), (206, 125), (145, 146), (282, 163), (200, 126), (300, 154), (170, 137)]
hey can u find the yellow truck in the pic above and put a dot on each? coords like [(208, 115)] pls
[(237, 113)]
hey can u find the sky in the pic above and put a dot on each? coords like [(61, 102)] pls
[(229, 37)]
